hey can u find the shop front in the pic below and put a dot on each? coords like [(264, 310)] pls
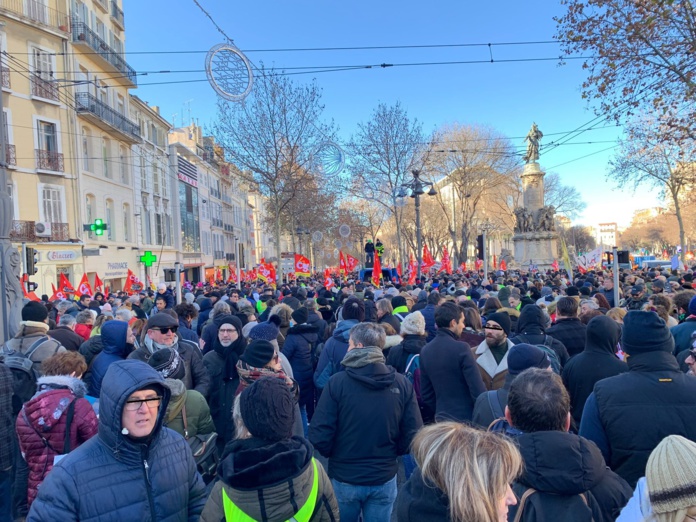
[(54, 261), (112, 268)]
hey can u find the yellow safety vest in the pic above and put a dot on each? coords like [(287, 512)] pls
[(234, 514)]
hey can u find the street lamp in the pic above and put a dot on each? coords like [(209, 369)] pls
[(486, 227), (415, 189)]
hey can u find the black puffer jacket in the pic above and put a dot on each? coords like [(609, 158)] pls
[(571, 332), (298, 349), (560, 467), (531, 330), (419, 501), (411, 345), (597, 362)]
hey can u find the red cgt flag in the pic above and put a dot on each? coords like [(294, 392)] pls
[(65, 286), (302, 266), (98, 284), (428, 260), (328, 281), (446, 261), (351, 263), (412, 270), (342, 263), (84, 287), (376, 272), (503, 265), (56, 294), (554, 265)]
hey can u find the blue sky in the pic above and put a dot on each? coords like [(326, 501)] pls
[(504, 96)]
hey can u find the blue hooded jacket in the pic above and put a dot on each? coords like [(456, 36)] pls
[(334, 351), (113, 334), (113, 478)]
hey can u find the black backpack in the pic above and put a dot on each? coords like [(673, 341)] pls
[(23, 373)]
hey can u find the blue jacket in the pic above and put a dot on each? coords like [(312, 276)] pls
[(429, 316), (334, 351), (113, 478), (114, 348), (187, 333)]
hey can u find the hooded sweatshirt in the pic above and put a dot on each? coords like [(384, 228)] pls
[(531, 329), (334, 351), (598, 361), (114, 348)]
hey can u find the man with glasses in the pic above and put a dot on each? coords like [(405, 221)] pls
[(161, 332), (134, 468), (491, 354)]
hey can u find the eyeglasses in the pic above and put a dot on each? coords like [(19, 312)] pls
[(135, 404), (491, 327), (165, 330)]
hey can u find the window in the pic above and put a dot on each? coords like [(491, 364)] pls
[(90, 211), (52, 206), (126, 222), (147, 223), (120, 105), (43, 64), (101, 30), (110, 219), (156, 177), (106, 148), (36, 10), (159, 229), (143, 174), (48, 137), (123, 164), (167, 224), (86, 150), (164, 182)]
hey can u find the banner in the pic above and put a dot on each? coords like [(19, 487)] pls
[(342, 263), (590, 260), (65, 286), (376, 272), (302, 266), (84, 287), (351, 262)]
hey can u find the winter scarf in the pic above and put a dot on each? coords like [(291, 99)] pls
[(249, 374), (152, 346), (359, 357), (231, 353)]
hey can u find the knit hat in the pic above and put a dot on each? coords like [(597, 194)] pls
[(658, 283), (300, 315), (413, 324), (268, 409), (258, 353), (267, 331), (161, 320), (645, 332), (692, 306), (671, 475), (503, 319), (524, 356), (572, 291), (168, 363), (503, 295), (354, 309), (34, 311)]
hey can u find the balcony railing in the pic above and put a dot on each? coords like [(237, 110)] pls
[(5, 77), (83, 34), (49, 160), (87, 103), (26, 231), (36, 12), (41, 88), (117, 15), (10, 155)]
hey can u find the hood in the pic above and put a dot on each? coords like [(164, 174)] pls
[(391, 341), (308, 331), (121, 380), (51, 401), (113, 334), (602, 335), (219, 320), (531, 320), (342, 331), (176, 403), (52, 382), (377, 376), (560, 463), (414, 343), (205, 304), (284, 312), (249, 464)]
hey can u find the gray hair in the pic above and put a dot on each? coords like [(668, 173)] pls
[(123, 314), (368, 334), (66, 320), (591, 303), (83, 317), (383, 305), (311, 305), (63, 306), (221, 308), (244, 303), (134, 299)]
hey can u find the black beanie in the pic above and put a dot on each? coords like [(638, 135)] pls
[(300, 316), (268, 409), (645, 332), (353, 308), (168, 363), (34, 311), (258, 353), (503, 319), (523, 356)]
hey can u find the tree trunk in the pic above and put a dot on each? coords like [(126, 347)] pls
[(680, 220), (279, 270)]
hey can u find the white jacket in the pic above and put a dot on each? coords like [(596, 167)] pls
[(638, 508)]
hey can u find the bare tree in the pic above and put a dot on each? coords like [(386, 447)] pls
[(649, 159), (565, 198), (579, 237), (383, 152), (273, 137)]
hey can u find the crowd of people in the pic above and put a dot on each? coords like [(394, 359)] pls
[(521, 397)]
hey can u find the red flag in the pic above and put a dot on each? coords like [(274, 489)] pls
[(412, 270), (554, 265), (106, 292), (328, 282), (342, 263), (29, 295), (428, 260), (84, 287), (398, 270), (446, 261), (302, 266), (503, 265), (376, 272), (56, 294), (133, 284), (351, 263), (479, 264), (264, 272), (462, 267), (233, 274), (98, 284), (495, 263), (65, 286)]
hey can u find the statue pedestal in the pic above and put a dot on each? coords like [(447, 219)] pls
[(539, 248)]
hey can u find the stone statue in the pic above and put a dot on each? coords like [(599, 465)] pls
[(545, 221), (522, 220), (532, 140), (9, 270)]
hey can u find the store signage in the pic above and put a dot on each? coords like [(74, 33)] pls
[(116, 270), (62, 255)]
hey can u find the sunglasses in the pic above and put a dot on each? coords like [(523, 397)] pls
[(134, 405), (167, 329), (491, 327)]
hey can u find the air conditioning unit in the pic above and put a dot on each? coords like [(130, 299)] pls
[(42, 229)]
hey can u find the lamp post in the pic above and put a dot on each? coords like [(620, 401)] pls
[(415, 189), (486, 227)]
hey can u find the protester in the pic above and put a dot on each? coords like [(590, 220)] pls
[(385, 314), (366, 417), (413, 339), (491, 353), (135, 465), (266, 473), (85, 321), (531, 329), (64, 333), (117, 341), (682, 332), (186, 314), (32, 339), (434, 300), (568, 328), (463, 474)]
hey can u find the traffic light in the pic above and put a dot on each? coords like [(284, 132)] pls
[(98, 227), (32, 260), (31, 287), (479, 246), (623, 256)]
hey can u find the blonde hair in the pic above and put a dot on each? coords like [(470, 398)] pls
[(617, 314), (472, 467)]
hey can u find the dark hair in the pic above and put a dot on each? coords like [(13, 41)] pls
[(589, 315), (567, 307), (681, 300), (434, 298), (446, 313), (538, 401), (85, 296), (472, 318), (160, 297), (469, 303), (186, 310), (493, 304), (354, 308), (602, 301)]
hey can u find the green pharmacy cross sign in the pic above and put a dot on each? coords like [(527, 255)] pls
[(98, 227), (148, 258)]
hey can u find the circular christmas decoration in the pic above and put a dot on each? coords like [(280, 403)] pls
[(317, 236), (335, 253), (344, 230), (229, 72), (337, 243), (331, 157)]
